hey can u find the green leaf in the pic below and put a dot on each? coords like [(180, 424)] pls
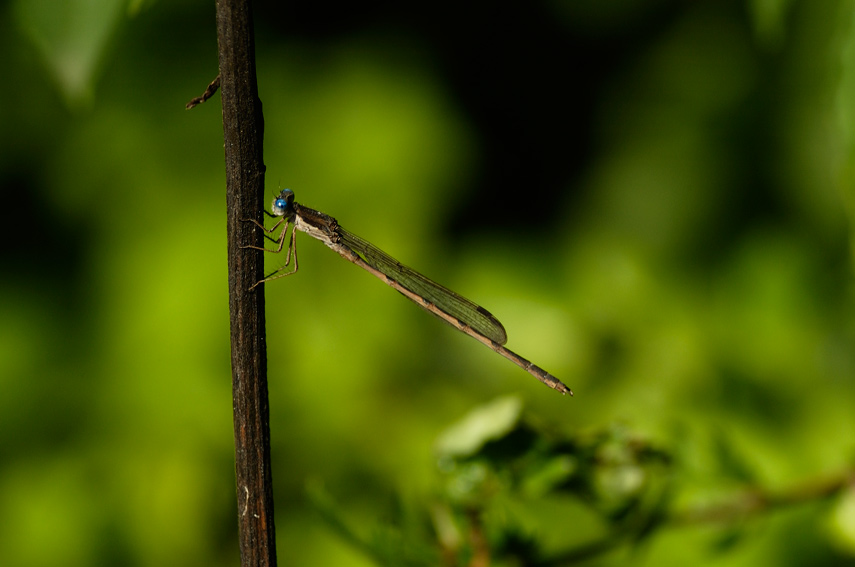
[(549, 475), (71, 36), (391, 544), (485, 423), (842, 525)]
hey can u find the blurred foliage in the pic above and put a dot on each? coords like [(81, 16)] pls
[(71, 36), (505, 486), (654, 197), (495, 486)]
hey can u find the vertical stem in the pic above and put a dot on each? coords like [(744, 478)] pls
[(243, 129)]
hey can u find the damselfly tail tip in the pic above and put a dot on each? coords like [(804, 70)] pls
[(550, 380), (560, 386)]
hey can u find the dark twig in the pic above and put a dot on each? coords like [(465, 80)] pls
[(209, 92), (243, 130)]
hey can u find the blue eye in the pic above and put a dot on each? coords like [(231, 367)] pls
[(281, 204)]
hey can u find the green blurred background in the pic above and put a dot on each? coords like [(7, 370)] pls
[(654, 197)]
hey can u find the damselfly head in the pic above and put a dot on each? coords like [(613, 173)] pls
[(282, 203)]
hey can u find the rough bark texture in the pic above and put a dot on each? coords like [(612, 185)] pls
[(243, 130)]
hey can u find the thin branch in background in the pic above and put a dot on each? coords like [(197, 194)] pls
[(209, 92), (744, 505), (243, 130), (757, 501)]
